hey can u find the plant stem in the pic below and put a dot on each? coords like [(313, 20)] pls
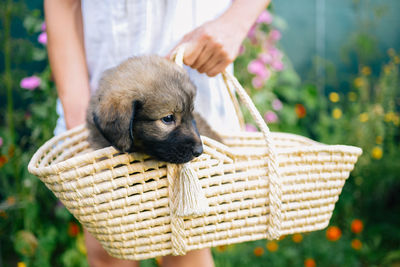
[(7, 71)]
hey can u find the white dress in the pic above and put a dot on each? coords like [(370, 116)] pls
[(117, 29)]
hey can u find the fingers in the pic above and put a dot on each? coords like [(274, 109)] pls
[(206, 51), (211, 60), (218, 68), (193, 50)]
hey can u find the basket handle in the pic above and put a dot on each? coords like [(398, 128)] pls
[(274, 177)]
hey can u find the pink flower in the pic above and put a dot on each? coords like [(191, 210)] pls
[(277, 104), (265, 17), (30, 83), (258, 68), (274, 52), (277, 65), (252, 32), (27, 115), (250, 128), (242, 49), (42, 38), (1, 141), (275, 35), (43, 27), (257, 82), (270, 117), (265, 58)]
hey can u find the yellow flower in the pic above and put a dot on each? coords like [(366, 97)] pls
[(397, 60), (391, 52), (336, 113), (80, 243), (356, 244), (396, 120), (378, 140), (366, 70), (272, 246), (352, 96), (359, 82), (389, 116), (297, 238), (21, 264), (363, 117), (387, 69), (334, 97), (377, 152)]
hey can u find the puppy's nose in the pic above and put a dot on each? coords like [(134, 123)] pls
[(197, 150)]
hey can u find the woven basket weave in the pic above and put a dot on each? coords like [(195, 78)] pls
[(256, 185)]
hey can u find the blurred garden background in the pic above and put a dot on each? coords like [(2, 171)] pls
[(328, 70)]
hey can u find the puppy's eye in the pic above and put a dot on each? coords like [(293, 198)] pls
[(168, 119)]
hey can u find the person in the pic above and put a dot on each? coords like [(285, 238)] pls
[(86, 38)]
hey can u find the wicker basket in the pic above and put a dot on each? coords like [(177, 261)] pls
[(254, 186)]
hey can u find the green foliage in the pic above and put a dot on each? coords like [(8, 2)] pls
[(33, 225)]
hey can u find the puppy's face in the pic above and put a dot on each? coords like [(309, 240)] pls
[(146, 105)]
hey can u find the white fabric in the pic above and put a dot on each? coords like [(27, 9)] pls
[(117, 29)]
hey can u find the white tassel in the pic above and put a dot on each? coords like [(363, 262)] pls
[(189, 196)]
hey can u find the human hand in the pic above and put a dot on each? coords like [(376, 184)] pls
[(211, 47)]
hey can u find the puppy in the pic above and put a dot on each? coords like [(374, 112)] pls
[(146, 105)]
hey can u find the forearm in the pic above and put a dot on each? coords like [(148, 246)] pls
[(243, 13), (67, 57)]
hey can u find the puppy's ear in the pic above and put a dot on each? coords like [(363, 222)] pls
[(116, 129)]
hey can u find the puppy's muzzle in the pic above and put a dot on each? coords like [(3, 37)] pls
[(197, 150)]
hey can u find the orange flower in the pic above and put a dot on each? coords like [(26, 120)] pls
[(356, 244), (309, 262), (11, 200), (221, 248), (333, 233), (357, 226), (159, 261), (258, 251), (297, 238), (3, 160), (11, 151), (3, 214), (272, 246), (73, 229), (300, 111)]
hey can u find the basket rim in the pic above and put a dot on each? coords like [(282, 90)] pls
[(313, 146)]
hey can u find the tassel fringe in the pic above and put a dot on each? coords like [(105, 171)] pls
[(189, 196)]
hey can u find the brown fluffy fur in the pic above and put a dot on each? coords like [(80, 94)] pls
[(129, 109)]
